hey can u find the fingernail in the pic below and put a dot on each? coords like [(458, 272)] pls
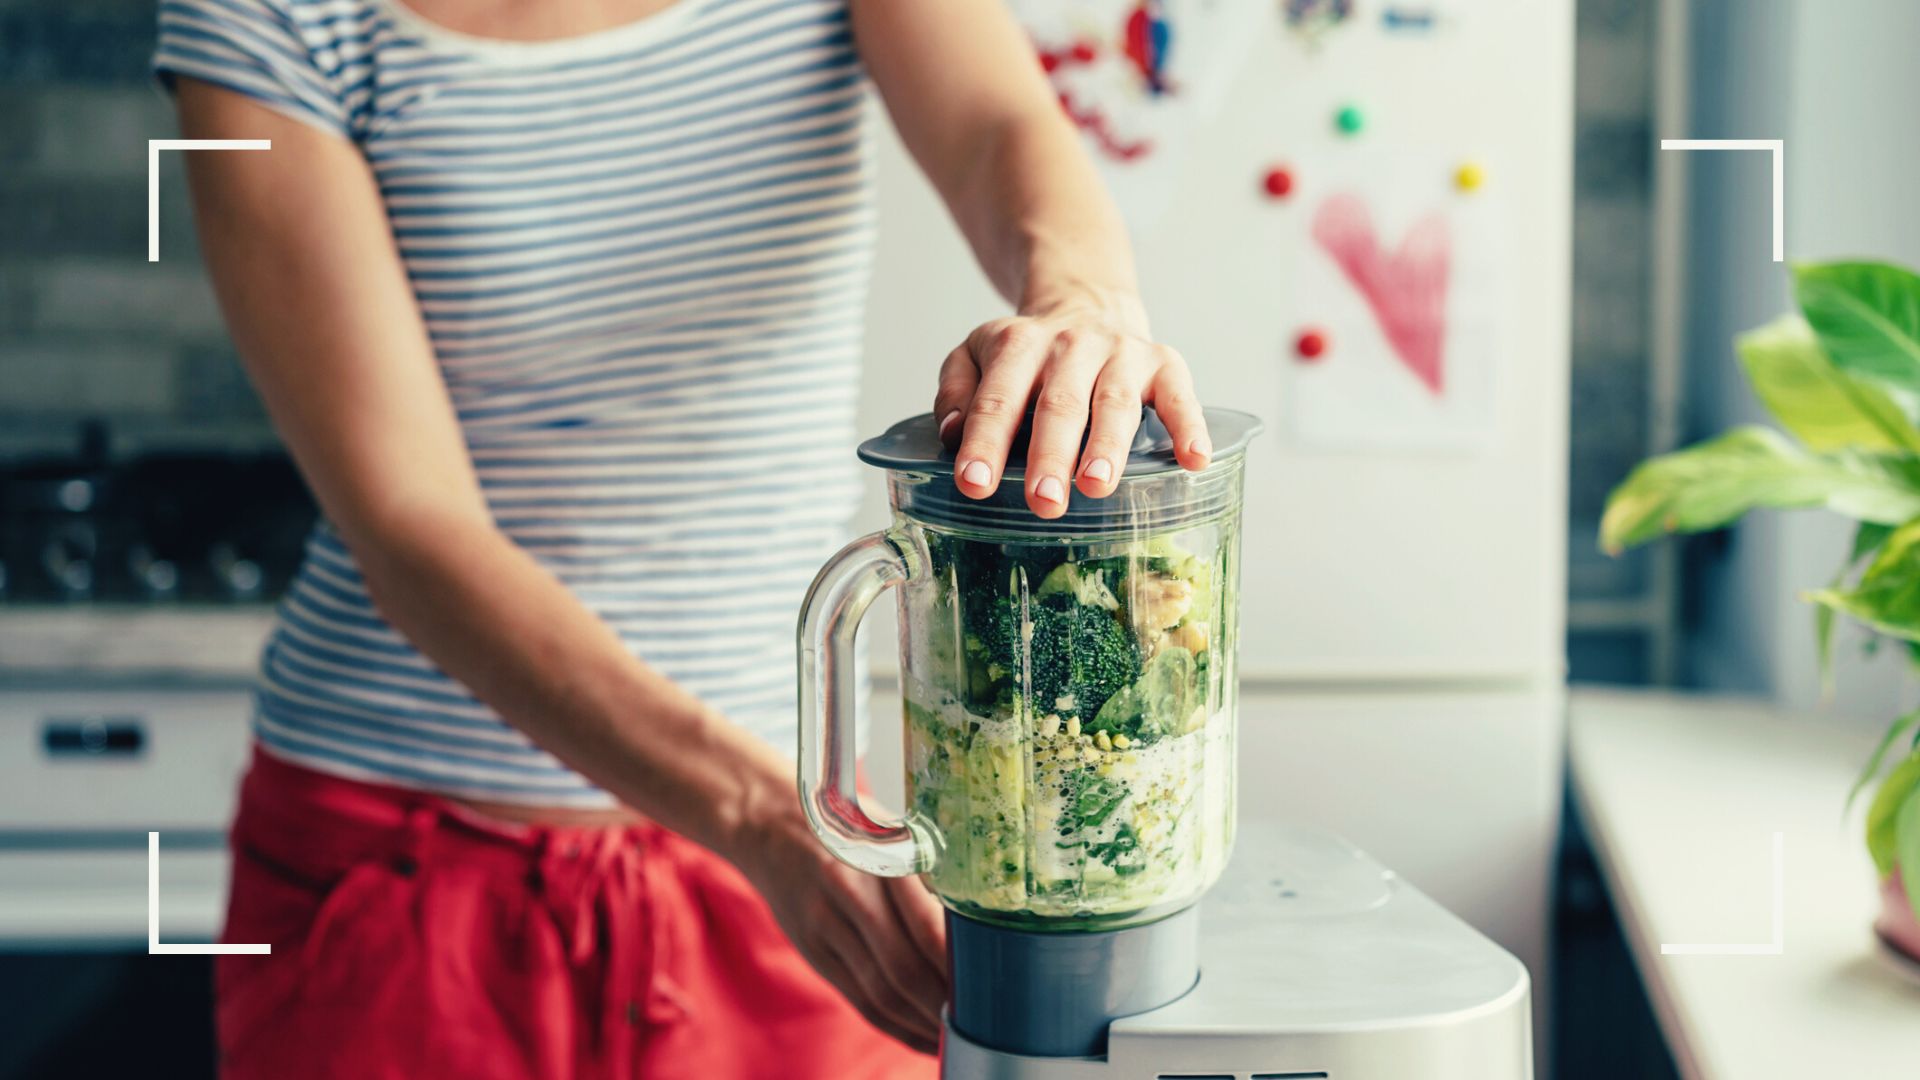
[(977, 474), (947, 422), (1098, 469), (1200, 448), (1048, 488)]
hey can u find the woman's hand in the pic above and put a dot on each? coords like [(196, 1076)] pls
[(879, 941), (1087, 366)]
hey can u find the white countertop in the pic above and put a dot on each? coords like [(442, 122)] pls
[(1681, 797), (220, 644), (98, 899)]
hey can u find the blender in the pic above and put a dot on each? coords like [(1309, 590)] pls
[(1069, 695)]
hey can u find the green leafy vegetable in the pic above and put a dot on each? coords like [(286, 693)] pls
[(1159, 703), (1119, 852), (1096, 802)]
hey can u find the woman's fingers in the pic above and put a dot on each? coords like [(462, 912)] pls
[(1009, 355), (842, 972), (918, 982), (875, 963), (1171, 394), (959, 375), (872, 939), (924, 918), (1116, 417), (1080, 379), (1060, 418)]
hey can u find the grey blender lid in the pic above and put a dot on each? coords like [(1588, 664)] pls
[(913, 446)]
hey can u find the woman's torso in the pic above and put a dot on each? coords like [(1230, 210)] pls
[(640, 255)]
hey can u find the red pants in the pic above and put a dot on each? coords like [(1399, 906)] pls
[(414, 939)]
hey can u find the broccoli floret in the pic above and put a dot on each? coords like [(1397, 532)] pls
[(1077, 648), (1085, 654), (1081, 652)]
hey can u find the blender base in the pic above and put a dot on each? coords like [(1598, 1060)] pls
[(1315, 962)]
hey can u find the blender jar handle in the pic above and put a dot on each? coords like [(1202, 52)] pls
[(835, 604)]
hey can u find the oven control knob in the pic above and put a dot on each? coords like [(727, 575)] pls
[(241, 578), (158, 578)]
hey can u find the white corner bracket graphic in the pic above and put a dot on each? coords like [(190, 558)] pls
[(1779, 150), (154, 146), (154, 948), (1772, 948)]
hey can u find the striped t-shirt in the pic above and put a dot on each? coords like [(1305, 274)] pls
[(642, 256)]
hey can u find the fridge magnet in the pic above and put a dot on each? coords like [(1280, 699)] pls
[(1348, 120), (1415, 20), (1277, 182), (1312, 20), (1390, 265), (1134, 76)]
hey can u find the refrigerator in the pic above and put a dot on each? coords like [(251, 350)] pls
[(1402, 598)]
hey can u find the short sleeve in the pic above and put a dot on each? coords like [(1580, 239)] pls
[(260, 48)]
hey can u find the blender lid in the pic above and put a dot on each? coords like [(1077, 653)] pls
[(1155, 493), (914, 445)]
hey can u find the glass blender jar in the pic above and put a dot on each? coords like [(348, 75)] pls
[(1068, 692)]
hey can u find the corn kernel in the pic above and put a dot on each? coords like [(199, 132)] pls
[(1073, 727), (1121, 742), (1102, 740)]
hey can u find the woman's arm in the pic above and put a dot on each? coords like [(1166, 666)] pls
[(965, 91), (320, 308)]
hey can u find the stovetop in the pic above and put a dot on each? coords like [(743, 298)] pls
[(159, 528)]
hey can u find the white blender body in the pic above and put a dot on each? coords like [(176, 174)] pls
[(1315, 962)]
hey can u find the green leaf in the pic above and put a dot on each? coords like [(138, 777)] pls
[(1866, 540), (1898, 728), (1710, 484), (1158, 703), (1868, 317), (1882, 814), (1868, 537), (1824, 407), (1887, 597), (1906, 847)]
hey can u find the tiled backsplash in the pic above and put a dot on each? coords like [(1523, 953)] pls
[(88, 328)]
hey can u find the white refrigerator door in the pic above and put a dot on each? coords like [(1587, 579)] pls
[(1360, 564)]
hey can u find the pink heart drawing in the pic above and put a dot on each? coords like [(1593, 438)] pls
[(1407, 291)]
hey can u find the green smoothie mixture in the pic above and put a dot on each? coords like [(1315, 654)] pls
[(1071, 737)]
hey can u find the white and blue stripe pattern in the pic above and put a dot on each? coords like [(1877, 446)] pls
[(641, 256)]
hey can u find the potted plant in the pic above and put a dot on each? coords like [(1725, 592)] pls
[(1842, 378)]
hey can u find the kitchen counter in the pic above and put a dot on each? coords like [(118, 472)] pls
[(1681, 796), (218, 645)]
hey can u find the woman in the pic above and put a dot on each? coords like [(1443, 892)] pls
[(557, 304)]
